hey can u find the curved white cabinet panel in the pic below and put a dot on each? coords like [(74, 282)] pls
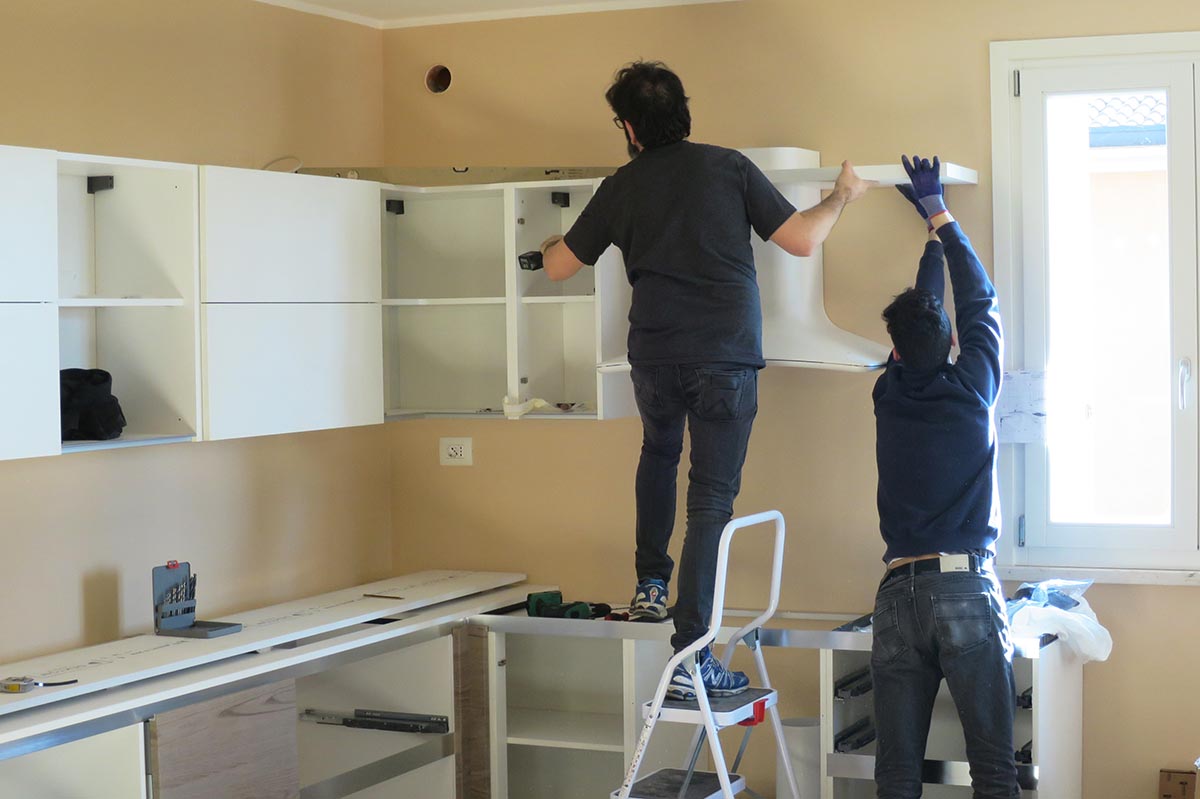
[(28, 225), (286, 368), (281, 237)]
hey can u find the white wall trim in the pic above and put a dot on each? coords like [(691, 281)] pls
[(322, 11), (540, 11), (481, 16), (1031, 574), (1085, 46)]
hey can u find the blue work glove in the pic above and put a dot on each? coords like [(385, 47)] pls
[(926, 184), (906, 191)]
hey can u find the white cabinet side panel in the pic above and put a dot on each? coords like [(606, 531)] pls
[(613, 298), (29, 406), (28, 225), (106, 766), (286, 368), (280, 237)]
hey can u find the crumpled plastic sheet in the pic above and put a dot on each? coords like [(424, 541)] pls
[(1057, 607)]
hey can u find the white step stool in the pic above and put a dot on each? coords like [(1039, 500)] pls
[(710, 715)]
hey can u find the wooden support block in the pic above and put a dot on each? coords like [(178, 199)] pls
[(241, 746), (471, 707)]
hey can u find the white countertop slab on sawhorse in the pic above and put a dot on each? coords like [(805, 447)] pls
[(131, 659), (19, 732)]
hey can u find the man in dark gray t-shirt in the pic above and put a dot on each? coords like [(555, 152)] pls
[(681, 214)]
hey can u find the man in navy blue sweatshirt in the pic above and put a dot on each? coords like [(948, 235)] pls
[(939, 611)]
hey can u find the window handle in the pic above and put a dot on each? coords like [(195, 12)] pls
[(1185, 376)]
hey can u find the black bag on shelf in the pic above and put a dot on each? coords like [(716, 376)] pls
[(89, 410)]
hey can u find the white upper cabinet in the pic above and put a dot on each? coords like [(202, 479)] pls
[(282, 237), (28, 225), (283, 368)]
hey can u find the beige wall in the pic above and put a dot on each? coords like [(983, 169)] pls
[(857, 79), (221, 81), (225, 82)]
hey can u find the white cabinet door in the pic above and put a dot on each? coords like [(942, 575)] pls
[(281, 237), (286, 368), (28, 225), (29, 416)]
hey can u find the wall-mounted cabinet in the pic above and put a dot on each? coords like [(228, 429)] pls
[(465, 327), (292, 328), (237, 302), (127, 290)]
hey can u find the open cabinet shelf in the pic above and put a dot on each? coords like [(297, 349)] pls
[(447, 301), (127, 286), (444, 358), (558, 729), (443, 245), (563, 300), (121, 302)]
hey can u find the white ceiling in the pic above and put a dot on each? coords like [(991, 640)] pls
[(413, 13)]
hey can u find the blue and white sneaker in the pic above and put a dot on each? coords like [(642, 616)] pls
[(718, 680), (649, 601)]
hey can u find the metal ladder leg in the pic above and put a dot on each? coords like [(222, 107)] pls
[(776, 724)]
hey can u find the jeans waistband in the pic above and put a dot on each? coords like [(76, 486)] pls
[(946, 564)]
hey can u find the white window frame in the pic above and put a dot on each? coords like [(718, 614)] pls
[(1016, 559)]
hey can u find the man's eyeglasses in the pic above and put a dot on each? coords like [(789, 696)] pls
[(619, 123)]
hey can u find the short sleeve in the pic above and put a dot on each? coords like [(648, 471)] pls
[(766, 207), (589, 237)]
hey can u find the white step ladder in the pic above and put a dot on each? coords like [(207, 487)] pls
[(748, 708)]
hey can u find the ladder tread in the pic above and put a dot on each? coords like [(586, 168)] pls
[(665, 784), (722, 704)]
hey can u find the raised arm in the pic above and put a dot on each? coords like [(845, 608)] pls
[(977, 309), (804, 231)]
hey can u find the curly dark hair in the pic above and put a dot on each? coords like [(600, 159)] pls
[(650, 97), (920, 329)]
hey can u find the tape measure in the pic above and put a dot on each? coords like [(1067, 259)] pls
[(20, 685)]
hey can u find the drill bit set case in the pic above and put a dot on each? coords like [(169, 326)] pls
[(174, 593)]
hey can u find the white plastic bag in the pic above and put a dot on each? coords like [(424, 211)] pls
[(1058, 607)]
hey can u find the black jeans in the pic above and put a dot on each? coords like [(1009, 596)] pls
[(719, 403), (927, 627)]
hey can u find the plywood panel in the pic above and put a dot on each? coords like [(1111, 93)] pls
[(241, 746), (472, 739)]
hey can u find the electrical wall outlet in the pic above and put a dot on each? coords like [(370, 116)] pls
[(455, 452)]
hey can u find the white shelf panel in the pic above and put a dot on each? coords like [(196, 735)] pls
[(560, 300), (884, 174), (446, 301), (130, 440), (476, 413), (120, 302), (557, 729)]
